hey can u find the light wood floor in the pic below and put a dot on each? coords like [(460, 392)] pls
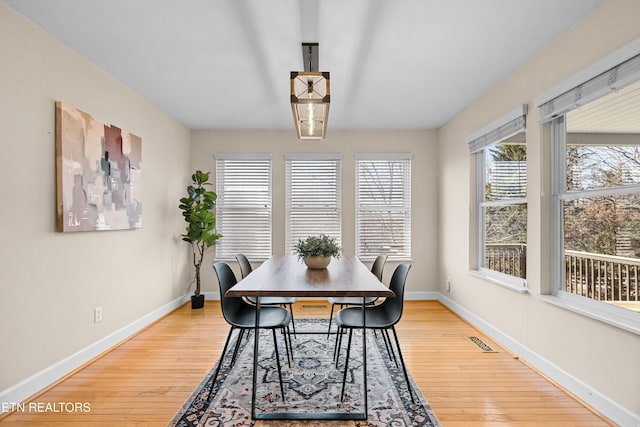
[(145, 380)]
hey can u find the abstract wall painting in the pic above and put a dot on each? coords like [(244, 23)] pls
[(98, 174)]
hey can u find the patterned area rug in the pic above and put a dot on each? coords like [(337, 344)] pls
[(311, 384)]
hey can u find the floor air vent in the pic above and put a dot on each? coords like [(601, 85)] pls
[(482, 346)]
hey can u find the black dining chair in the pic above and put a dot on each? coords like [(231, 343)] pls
[(377, 268), (381, 317), (245, 269), (242, 316)]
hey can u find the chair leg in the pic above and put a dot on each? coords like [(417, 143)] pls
[(346, 365), (387, 343), (290, 343), (330, 319), (275, 344), (286, 337), (293, 322), (336, 353), (224, 350), (404, 368), (235, 350)]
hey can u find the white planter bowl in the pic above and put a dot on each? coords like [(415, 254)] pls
[(317, 262)]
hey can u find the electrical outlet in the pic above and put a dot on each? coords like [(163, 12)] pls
[(97, 314)]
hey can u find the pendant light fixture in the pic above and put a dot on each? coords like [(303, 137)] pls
[(310, 96)]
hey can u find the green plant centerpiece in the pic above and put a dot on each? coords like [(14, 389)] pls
[(316, 251), (198, 212)]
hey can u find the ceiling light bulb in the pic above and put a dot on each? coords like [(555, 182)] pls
[(310, 118)]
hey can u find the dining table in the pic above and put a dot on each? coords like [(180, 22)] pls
[(288, 276)]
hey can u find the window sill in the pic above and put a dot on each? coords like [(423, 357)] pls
[(512, 283), (615, 316)]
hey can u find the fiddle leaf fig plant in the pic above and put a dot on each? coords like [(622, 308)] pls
[(198, 212)]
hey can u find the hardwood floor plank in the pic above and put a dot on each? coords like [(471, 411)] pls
[(146, 379)]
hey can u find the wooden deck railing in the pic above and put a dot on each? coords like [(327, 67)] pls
[(509, 259), (596, 276), (602, 277)]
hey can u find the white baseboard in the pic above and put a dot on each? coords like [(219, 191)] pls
[(587, 394), (422, 296), (211, 296), (39, 381)]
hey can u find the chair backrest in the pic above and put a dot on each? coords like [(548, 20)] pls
[(226, 279), (393, 306), (378, 266), (245, 265)]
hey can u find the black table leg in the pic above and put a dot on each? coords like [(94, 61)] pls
[(256, 335), (364, 356), (309, 416)]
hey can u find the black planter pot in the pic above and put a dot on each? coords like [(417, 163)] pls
[(197, 301)]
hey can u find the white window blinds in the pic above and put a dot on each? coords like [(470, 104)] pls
[(502, 128), (383, 205), (243, 185), (611, 73), (313, 197)]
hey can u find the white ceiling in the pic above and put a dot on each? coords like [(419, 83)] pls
[(224, 64)]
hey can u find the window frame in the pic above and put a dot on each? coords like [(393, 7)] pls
[(553, 104), (479, 141), (406, 203), (264, 250), (599, 310), (291, 237)]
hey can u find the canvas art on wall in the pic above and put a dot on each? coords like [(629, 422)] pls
[(98, 174)]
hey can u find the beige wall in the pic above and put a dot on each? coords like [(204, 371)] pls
[(49, 281), (205, 144), (605, 358)]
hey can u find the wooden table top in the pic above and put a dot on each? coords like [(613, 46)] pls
[(288, 276)]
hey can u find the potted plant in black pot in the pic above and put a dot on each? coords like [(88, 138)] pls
[(198, 212), (316, 251)]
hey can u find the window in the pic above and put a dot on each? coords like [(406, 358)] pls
[(313, 197), (243, 185), (383, 205), (501, 199), (597, 200), (595, 157)]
